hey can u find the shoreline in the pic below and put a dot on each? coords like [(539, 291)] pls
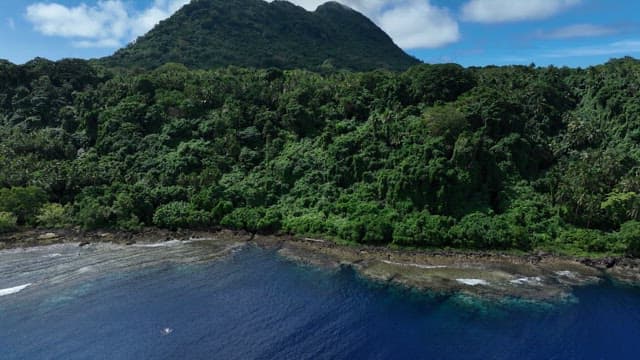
[(492, 275)]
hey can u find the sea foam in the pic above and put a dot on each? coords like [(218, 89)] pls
[(568, 274), (162, 244), (473, 282), (528, 281), (13, 290), (414, 265)]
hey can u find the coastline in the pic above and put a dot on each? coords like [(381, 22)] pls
[(492, 275)]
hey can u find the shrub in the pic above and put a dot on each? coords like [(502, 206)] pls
[(242, 219), (307, 224), (90, 213), (423, 229), (371, 228), (621, 206), (221, 210), (375, 227), (8, 221), (254, 219), (124, 209), (630, 235), (110, 207), (483, 231), (585, 239), (271, 221), (207, 198), (53, 216), (23, 202), (378, 229), (180, 214), (351, 230)]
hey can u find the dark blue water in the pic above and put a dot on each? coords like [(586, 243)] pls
[(255, 305)]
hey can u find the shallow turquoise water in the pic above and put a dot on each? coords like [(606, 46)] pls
[(255, 305)]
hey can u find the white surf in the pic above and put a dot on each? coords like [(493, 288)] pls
[(414, 265), (473, 282), (13, 290)]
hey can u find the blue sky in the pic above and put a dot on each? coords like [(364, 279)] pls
[(469, 32)]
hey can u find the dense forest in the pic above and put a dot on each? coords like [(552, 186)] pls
[(517, 157), (254, 33)]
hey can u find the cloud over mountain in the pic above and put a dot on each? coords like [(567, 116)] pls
[(412, 24), (110, 23)]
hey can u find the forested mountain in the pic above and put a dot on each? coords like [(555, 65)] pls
[(440, 156), (254, 33)]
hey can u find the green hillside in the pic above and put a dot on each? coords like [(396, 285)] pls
[(254, 33), (438, 156)]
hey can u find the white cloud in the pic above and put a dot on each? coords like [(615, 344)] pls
[(108, 24), (623, 48), (497, 11), (576, 31), (108, 19), (412, 24), (101, 43), (11, 23), (160, 10), (417, 24), (368, 7)]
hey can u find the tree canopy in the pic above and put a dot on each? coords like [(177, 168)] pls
[(515, 157)]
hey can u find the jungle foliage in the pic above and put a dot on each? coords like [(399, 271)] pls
[(516, 157)]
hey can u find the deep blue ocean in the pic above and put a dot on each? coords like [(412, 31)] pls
[(256, 305)]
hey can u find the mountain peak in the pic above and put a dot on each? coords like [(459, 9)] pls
[(256, 33), (334, 5)]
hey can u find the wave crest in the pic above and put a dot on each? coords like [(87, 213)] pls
[(13, 290)]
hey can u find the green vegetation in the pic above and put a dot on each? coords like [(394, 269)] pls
[(24, 203), (255, 33), (8, 222), (54, 216), (513, 158), (180, 214)]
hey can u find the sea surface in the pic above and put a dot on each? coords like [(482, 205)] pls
[(191, 301)]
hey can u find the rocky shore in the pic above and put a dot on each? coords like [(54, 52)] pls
[(540, 277)]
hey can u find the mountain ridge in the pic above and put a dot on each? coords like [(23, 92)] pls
[(255, 33)]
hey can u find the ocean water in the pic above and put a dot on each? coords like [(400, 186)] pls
[(174, 302)]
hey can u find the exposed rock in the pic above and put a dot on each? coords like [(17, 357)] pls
[(535, 276), (48, 236), (606, 263), (609, 263), (588, 262), (534, 259), (478, 274)]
